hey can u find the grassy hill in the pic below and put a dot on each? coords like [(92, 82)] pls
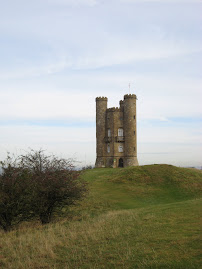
[(136, 217)]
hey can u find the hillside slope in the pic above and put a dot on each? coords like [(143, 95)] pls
[(136, 217), (135, 187)]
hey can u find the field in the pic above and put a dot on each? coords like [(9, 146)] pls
[(136, 217)]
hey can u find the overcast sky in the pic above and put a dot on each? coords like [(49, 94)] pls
[(56, 56)]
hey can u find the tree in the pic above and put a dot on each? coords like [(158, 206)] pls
[(55, 183), (15, 200), (36, 185)]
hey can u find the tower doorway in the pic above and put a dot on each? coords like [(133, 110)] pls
[(120, 162)]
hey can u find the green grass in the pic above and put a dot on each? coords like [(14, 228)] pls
[(137, 217), (135, 187)]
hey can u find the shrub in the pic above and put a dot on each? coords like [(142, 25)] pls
[(15, 199), (55, 182), (35, 184)]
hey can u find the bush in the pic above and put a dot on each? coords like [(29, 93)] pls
[(56, 184), (36, 185), (15, 200)]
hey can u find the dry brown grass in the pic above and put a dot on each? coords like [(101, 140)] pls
[(142, 238)]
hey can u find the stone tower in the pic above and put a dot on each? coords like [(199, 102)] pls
[(116, 133)]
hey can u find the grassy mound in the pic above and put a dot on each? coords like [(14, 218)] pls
[(135, 187), (137, 217)]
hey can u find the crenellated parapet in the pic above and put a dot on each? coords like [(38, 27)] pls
[(128, 96), (101, 98), (113, 109)]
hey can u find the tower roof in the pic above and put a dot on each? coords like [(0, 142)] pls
[(127, 96), (101, 98)]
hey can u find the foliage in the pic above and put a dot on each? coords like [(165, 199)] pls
[(56, 184), (15, 200), (35, 184)]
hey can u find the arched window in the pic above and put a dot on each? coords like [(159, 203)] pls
[(108, 148), (109, 132), (120, 132)]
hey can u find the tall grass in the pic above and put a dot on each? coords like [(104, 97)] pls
[(117, 226), (165, 236)]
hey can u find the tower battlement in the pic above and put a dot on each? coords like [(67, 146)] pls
[(101, 98), (116, 133), (127, 96), (113, 109)]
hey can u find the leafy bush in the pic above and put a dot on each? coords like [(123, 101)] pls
[(56, 184), (15, 199), (35, 184)]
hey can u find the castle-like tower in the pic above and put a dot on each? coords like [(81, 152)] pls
[(116, 133)]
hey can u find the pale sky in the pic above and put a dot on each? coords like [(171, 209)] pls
[(56, 56)]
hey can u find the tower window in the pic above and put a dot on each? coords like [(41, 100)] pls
[(134, 117), (109, 133), (134, 148), (120, 148), (134, 132), (120, 132), (108, 148)]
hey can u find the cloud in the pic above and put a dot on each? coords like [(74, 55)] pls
[(160, 1), (71, 98), (115, 52), (80, 143), (136, 51), (34, 71), (72, 2), (168, 133), (40, 105), (57, 39), (171, 153), (77, 143)]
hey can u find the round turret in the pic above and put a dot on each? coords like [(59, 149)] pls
[(130, 130), (101, 107)]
